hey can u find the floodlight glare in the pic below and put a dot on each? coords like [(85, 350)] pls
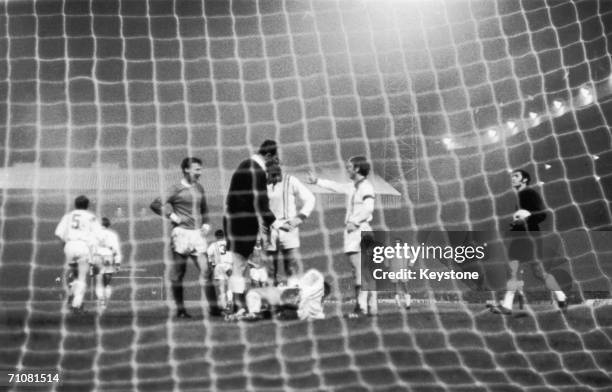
[(534, 119), (585, 96), (558, 107), (512, 126)]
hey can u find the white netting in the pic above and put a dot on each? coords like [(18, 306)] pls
[(445, 97)]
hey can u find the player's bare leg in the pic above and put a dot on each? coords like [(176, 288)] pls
[(237, 282), (79, 285), (361, 296)]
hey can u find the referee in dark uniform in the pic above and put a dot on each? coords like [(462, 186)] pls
[(247, 208)]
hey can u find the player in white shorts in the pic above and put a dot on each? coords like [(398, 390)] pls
[(303, 300), (220, 261), (258, 266), (79, 230), (359, 210), (107, 261), (285, 192), (397, 264), (185, 205)]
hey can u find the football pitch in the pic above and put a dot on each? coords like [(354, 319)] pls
[(446, 346)]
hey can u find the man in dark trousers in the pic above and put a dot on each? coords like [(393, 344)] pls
[(525, 244), (247, 209)]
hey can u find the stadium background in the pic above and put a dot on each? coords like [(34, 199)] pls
[(138, 85)]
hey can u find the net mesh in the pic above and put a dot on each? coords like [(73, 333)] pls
[(106, 98)]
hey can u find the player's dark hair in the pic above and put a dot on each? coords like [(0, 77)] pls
[(326, 290), (219, 234), (524, 175), (81, 202), (106, 222), (274, 171), (362, 165), (268, 147), (187, 162)]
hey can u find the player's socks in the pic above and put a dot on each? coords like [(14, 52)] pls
[(372, 302), (521, 300), (407, 300), (508, 300), (99, 293), (78, 290), (398, 302), (107, 293), (362, 300), (177, 293)]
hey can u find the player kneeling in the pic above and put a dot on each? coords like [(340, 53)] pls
[(303, 301), (106, 262)]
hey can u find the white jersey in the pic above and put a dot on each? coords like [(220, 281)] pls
[(218, 254), (358, 209), (284, 197), (109, 244), (79, 225)]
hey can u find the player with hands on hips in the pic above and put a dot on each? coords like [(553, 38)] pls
[(184, 204)]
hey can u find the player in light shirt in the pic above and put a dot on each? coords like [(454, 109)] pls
[(79, 230), (359, 210), (107, 261), (285, 193), (221, 263)]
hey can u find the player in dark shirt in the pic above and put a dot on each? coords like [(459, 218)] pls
[(185, 206), (527, 247)]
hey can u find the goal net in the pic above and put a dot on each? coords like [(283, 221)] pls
[(445, 98)]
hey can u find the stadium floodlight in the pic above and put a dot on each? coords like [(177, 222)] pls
[(547, 166), (534, 119), (559, 107), (595, 157), (597, 178), (585, 96), (512, 127), (448, 143), (493, 135)]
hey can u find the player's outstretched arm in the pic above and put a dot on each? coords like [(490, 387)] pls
[(337, 187)]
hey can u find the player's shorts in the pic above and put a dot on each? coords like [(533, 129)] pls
[(281, 239), (76, 251), (220, 271), (188, 242), (258, 274), (352, 240), (103, 260)]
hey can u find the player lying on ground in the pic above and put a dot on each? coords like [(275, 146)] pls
[(303, 301), (106, 262), (79, 230)]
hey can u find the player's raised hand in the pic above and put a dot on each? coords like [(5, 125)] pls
[(286, 226), (312, 178)]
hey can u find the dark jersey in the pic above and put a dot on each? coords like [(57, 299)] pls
[(188, 202), (530, 200)]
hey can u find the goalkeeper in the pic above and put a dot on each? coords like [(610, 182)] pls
[(525, 245)]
